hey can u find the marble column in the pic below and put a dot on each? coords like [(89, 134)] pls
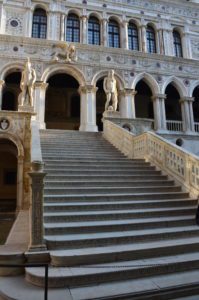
[(105, 33), (39, 105), (83, 33), (88, 108), (127, 103), (37, 231), (187, 114), (2, 83), (125, 37), (159, 112), (143, 35), (63, 22)]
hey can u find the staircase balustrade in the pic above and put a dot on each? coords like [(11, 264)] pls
[(176, 126), (175, 161)]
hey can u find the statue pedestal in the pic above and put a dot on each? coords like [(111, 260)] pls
[(26, 108), (111, 114)]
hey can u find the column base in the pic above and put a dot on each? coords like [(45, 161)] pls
[(24, 108), (42, 125), (87, 127)]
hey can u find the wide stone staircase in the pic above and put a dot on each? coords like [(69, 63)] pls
[(108, 218)]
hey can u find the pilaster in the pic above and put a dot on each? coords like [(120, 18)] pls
[(127, 103), (84, 22), (187, 114), (40, 97), (159, 112)]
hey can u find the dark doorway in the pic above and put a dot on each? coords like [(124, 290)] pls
[(11, 91), (62, 108), (100, 104), (196, 104), (172, 104), (143, 102)]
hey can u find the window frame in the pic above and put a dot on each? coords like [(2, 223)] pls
[(72, 30), (177, 44), (151, 39), (114, 34), (134, 38), (37, 31), (95, 34)]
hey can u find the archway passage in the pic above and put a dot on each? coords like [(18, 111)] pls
[(100, 103), (196, 104), (62, 108), (8, 186), (143, 102), (172, 104), (11, 91)]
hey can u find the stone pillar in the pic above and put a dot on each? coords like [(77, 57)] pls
[(186, 48), (125, 36), (2, 83), (168, 42), (63, 22), (104, 33), (37, 231), (88, 108), (187, 114), (143, 35), (20, 164), (159, 112), (127, 103), (161, 42), (84, 29), (40, 97)]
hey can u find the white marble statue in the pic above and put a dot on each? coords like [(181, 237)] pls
[(110, 88), (64, 51), (27, 85)]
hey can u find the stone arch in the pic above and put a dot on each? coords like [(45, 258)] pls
[(11, 137), (148, 79), (9, 68), (75, 12), (116, 19), (192, 88), (134, 21), (40, 6), (177, 84), (104, 73), (70, 70), (95, 14)]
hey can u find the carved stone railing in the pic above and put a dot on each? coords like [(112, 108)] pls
[(196, 126), (176, 162), (176, 126)]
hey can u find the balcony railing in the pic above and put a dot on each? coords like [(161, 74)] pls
[(176, 126)]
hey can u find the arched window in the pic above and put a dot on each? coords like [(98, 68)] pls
[(133, 37), (113, 34), (93, 31), (151, 41), (73, 29), (177, 44), (39, 26)]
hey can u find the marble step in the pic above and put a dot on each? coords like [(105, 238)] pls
[(66, 162), (87, 206), (103, 172), (118, 215), (115, 253), (93, 159), (113, 168), (106, 190), (116, 197), (99, 183), (98, 273), (115, 225)]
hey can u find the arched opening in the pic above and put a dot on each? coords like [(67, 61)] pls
[(8, 186), (133, 38), (113, 34), (73, 28), (143, 103), (100, 103), (151, 39), (39, 25), (196, 104), (11, 91), (62, 108), (172, 104), (177, 43), (93, 31)]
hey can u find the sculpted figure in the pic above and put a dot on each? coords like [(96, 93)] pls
[(64, 51), (110, 88), (27, 85)]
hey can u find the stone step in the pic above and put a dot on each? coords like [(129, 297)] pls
[(98, 255), (73, 163), (103, 172), (106, 190), (113, 168), (87, 206), (108, 178), (120, 237), (124, 183), (93, 159), (115, 197), (73, 276), (115, 225), (118, 215)]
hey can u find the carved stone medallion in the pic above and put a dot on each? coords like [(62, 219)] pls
[(4, 124)]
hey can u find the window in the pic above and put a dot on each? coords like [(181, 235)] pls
[(93, 31), (177, 44), (133, 37), (39, 26), (73, 29), (113, 34), (151, 42)]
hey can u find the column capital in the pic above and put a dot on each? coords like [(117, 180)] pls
[(128, 91), (125, 23), (187, 99), (41, 84), (84, 18), (87, 89), (158, 96)]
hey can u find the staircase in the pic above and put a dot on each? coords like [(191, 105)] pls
[(108, 218)]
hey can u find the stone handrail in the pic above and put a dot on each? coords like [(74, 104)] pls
[(182, 165), (35, 145)]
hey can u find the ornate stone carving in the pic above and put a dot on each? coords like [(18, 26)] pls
[(4, 124), (110, 88), (64, 52)]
